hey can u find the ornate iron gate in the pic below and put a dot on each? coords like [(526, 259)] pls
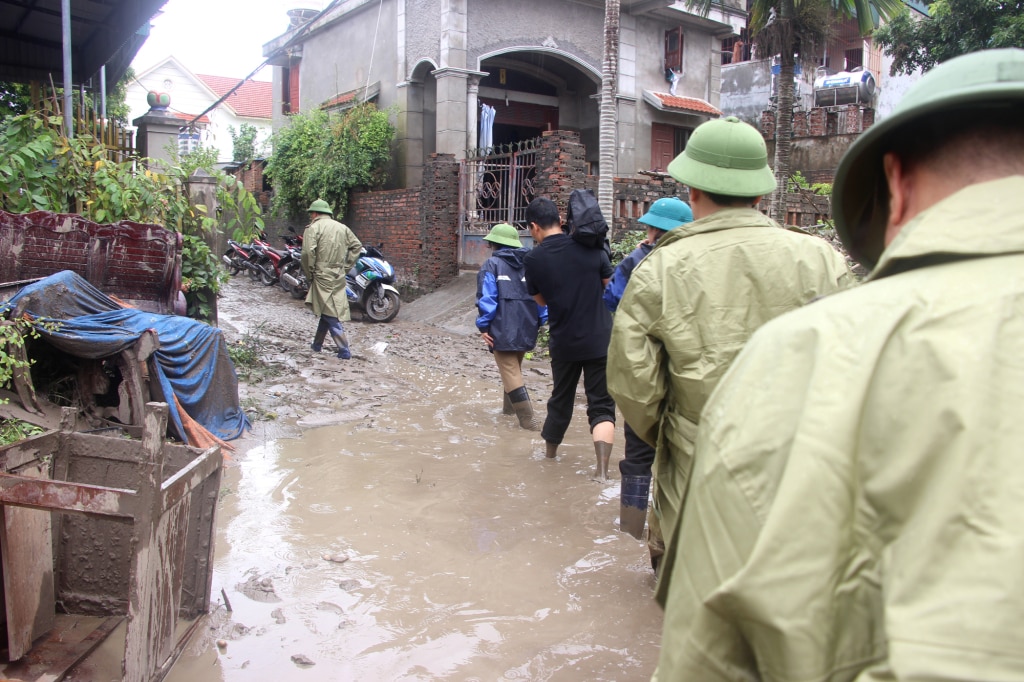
[(494, 188)]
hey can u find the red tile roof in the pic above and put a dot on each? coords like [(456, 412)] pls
[(253, 99), (691, 104), (204, 119), (337, 100)]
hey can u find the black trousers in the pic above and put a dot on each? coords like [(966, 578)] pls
[(639, 455), (566, 376)]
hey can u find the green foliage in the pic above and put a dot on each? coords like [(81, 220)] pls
[(797, 181), (324, 156), (40, 169), (12, 336), (16, 99), (243, 143), (13, 430), (626, 244), (953, 28)]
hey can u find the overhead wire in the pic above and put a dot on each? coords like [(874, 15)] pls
[(291, 41)]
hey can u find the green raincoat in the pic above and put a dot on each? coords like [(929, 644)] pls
[(329, 250), (857, 504), (689, 307)]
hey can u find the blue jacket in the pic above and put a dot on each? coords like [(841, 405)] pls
[(507, 311), (617, 284)]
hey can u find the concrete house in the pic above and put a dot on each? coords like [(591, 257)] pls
[(522, 66), (191, 94)]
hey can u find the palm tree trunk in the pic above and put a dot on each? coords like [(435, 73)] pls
[(609, 79), (784, 112)]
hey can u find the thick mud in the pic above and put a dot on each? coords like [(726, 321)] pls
[(385, 521)]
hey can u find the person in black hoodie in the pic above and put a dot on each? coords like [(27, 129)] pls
[(509, 317)]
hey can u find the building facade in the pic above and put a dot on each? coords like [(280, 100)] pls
[(524, 67)]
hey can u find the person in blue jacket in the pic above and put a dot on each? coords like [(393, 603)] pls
[(635, 469), (509, 317)]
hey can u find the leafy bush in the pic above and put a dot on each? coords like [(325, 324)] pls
[(324, 156), (40, 169), (626, 244)]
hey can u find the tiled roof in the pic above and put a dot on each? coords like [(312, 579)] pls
[(686, 104), (343, 100), (338, 100), (253, 99), (204, 119)]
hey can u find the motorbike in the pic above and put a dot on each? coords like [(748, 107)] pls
[(369, 286), (293, 279), (236, 257)]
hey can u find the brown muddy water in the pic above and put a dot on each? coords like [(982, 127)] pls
[(420, 536)]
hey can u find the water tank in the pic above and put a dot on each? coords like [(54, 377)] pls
[(846, 87)]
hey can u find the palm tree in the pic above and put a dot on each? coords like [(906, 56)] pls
[(788, 28), (609, 79)]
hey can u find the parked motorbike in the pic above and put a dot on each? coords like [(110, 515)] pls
[(292, 279), (236, 257), (370, 286)]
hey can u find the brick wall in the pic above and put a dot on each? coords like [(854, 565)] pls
[(417, 226)]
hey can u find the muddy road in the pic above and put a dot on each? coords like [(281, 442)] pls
[(384, 520)]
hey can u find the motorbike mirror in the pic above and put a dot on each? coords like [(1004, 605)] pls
[(292, 229)]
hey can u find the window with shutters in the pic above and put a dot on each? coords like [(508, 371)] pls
[(674, 49), (290, 89)]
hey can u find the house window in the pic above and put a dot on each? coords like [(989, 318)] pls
[(290, 89), (667, 142), (674, 49), (188, 141), (854, 58)]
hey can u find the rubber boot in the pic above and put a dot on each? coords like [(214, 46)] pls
[(506, 407), (318, 338), (340, 337), (520, 400), (633, 504), (603, 451), (551, 451)]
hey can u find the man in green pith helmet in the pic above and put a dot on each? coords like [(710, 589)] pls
[(695, 300), (509, 318), (856, 502), (329, 250)]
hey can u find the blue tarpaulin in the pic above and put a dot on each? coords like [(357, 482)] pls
[(192, 362)]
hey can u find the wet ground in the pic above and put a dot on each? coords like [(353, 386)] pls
[(387, 522)]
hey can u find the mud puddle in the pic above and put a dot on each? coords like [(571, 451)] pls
[(392, 524)]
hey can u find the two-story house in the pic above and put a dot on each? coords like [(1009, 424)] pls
[(537, 63)]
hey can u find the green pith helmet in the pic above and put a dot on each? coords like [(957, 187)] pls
[(667, 213), (976, 81), (725, 156), (320, 206), (504, 234)]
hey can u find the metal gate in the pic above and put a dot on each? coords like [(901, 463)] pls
[(494, 187)]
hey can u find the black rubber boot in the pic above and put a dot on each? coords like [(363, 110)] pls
[(520, 400), (633, 504), (603, 450), (551, 451), (321, 334), (506, 406)]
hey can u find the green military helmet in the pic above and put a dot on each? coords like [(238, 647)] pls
[(725, 156), (990, 79), (320, 206), (504, 234)]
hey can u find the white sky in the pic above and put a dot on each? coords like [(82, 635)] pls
[(217, 37)]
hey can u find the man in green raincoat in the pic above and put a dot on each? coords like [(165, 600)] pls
[(694, 301), (856, 510), (329, 250)]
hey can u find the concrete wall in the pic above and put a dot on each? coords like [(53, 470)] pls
[(746, 90), (568, 27), (337, 58)]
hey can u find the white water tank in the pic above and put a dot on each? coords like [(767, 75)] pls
[(846, 87)]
